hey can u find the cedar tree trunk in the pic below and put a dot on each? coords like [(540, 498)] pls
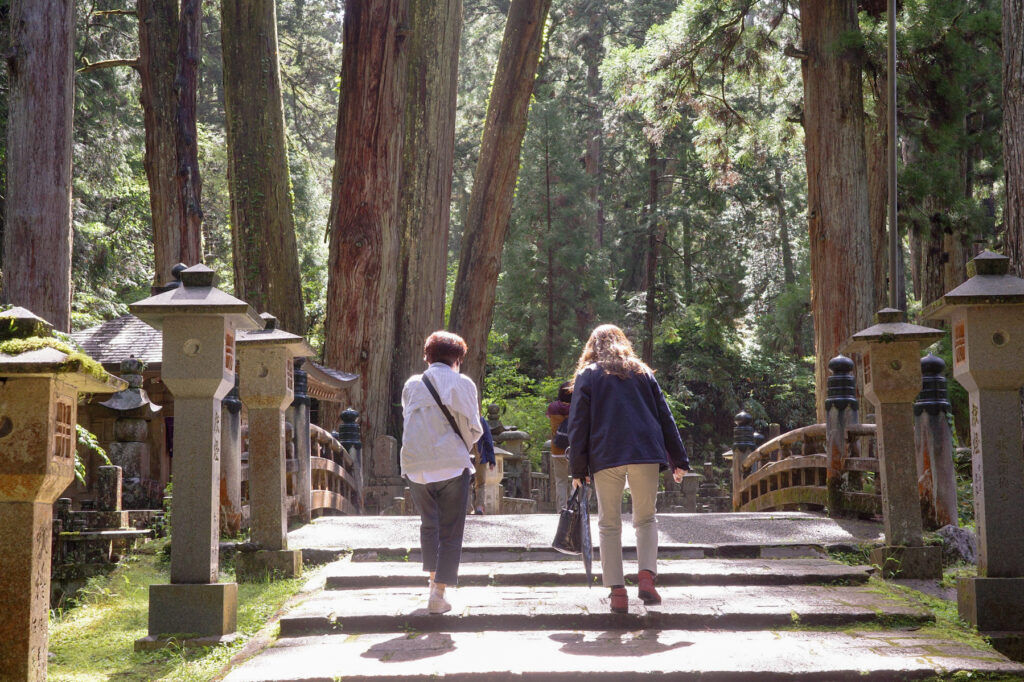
[(364, 224), (190, 185), (490, 203), (158, 43), (842, 278), (1013, 128), (37, 234), (426, 184), (266, 258)]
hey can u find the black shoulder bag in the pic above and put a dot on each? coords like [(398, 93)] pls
[(447, 414)]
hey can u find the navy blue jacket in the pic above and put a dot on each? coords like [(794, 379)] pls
[(616, 421), (486, 444)]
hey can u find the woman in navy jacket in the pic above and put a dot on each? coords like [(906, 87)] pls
[(621, 429)]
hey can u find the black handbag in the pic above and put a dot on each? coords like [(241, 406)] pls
[(569, 536)]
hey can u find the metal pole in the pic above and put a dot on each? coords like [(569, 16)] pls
[(895, 272)]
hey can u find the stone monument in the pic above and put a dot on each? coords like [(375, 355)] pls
[(266, 366), (986, 315), (891, 366), (199, 323), (131, 450), (40, 380)]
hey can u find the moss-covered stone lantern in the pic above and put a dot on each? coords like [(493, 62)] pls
[(266, 368), (41, 378), (986, 316), (199, 323), (891, 367)]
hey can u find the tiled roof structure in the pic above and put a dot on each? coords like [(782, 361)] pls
[(118, 339)]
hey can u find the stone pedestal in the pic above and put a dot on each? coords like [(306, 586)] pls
[(385, 482), (986, 315), (266, 387), (891, 366), (265, 564), (688, 489), (492, 492), (131, 430), (38, 408), (199, 323)]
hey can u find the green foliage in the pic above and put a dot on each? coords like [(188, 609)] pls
[(87, 441)]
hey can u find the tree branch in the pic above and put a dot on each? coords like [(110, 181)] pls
[(118, 12), (107, 64)]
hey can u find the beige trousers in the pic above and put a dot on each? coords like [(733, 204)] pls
[(643, 486)]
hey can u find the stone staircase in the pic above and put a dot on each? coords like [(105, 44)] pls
[(730, 612)]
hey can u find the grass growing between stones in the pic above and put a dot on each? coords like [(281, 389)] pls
[(94, 640)]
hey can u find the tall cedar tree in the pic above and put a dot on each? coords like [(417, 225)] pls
[(158, 41), (364, 226), (842, 292), (266, 258), (426, 185), (1013, 128), (37, 234), (186, 84), (490, 202)]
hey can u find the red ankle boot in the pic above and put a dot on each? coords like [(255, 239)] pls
[(647, 593), (620, 602)]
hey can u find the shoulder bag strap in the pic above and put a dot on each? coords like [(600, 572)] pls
[(447, 414)]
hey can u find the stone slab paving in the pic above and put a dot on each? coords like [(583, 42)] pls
[(733, 530), (367, 575), (620, 656), (559, 606)]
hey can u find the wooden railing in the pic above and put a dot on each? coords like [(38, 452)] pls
[(795, 471), (335, 475)]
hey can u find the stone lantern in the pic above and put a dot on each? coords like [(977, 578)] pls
[(266, 362), (891, 367), (40, 380), (199, 323), (986, 316)]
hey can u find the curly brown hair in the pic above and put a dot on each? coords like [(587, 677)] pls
[(609, 349), (442, 346)]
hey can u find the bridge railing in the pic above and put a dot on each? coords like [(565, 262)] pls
[(335, 477)]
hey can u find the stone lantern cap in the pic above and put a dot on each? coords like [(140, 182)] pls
[(29, 348), (891, 326), (990, 283), (270, 335), (195, 296), (133, 397)]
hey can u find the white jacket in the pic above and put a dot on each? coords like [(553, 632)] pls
[(428, 442)]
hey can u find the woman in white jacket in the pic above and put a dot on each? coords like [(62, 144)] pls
[(441, 424)]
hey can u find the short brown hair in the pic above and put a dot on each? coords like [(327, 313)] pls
[(444, 347)]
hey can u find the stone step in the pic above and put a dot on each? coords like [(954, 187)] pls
[(506, 553), (580, 608), (632, 655), (367, 575)]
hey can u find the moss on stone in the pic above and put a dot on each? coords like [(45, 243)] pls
[(75, 362)]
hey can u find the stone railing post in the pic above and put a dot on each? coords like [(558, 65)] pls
[(266, 359), (891, 352), (841, 410), (986, 314), (38, 411), (349, 434), (231, 462), (199, 323), (936, 481), (742, 445), (299, 414)]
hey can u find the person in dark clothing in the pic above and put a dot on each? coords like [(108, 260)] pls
[(484, 460), (557, 412), (621, 430)]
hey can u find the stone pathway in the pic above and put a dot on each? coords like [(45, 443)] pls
[(796, 617)]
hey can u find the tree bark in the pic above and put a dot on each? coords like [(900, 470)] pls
[(37, 234), (266, 258), (876, 141), (490, 203), (190, 185), (842, 291), (1013, 129), (158, 42), (788, 271), (655, 238), (426, 184), (364, 225)]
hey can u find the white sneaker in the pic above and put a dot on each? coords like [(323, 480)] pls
[(437, 603)]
